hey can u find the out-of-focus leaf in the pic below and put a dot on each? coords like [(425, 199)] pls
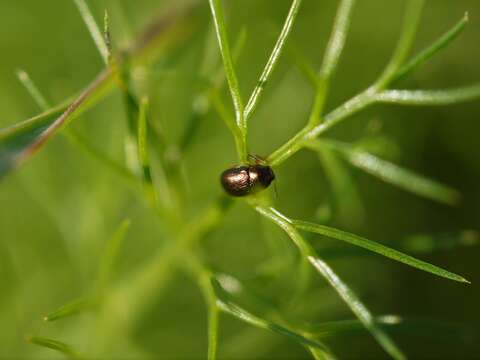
[(391, 173), (20, 141), (396, 325), (427, 243), (55, 345), (71, 309)]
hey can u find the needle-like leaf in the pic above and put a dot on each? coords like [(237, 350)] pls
[(70, 309), (273, 60), (411, 22), (430, 97), (224, 44), (432, 50), (55, 345), (337, 40), (94, 30), (377, 248)]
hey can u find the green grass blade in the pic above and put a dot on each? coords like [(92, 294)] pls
[(337, 40), (33, 90), (273, 60), (110, 255), (432, 50), (411, 22), (222, 37), (357, 307), (55, 345), (430, 97), (377, 248), (94, 30), (74, 308), (391, 173)]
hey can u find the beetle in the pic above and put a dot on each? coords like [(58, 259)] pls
[(248, 179)]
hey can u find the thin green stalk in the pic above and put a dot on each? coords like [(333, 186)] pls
[(55, 345), (273, 60), (203, 277), (433, 49), (377, 248), (405, 43), (331, 58), (222, 36), (33, 90), (429, 97), (94, 30)]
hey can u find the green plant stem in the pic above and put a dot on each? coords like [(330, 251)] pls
[(222, 36), (433, 49), (203, 277), (273, 60), (93, 29), (332, 56), (410, 27)]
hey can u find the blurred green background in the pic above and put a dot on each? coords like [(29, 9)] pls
[(59, 209)]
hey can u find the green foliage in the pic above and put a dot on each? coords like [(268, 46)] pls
[(157, 167)]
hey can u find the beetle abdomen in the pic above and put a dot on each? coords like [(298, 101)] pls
[(236, 181)]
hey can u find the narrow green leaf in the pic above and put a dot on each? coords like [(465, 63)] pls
[(273, 60), (357, 307), (331, 58), (33, 90), (110, 255), (74, 308), (94, 30), (223, 42), (410, 26), (107, 36), (55, 345), (242, 314), (433, 49), (337, 39), (391, 173), (430, 97), (377, 248)]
